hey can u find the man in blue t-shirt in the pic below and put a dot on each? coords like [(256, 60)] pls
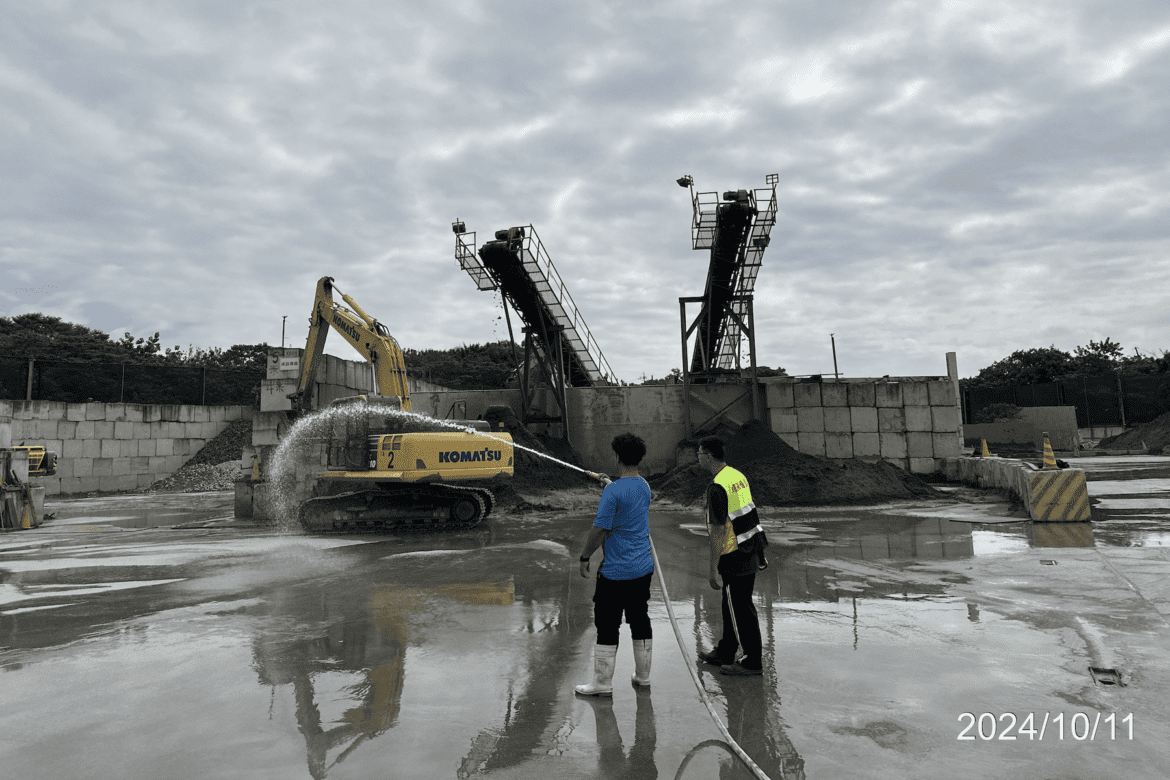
[(623, 579)]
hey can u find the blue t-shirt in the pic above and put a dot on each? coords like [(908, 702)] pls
[(624, 510)]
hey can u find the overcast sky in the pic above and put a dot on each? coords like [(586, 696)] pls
[(976, 177)]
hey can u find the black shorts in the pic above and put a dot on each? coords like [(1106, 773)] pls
[(612, 598)]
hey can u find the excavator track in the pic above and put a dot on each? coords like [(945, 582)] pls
[(395, 506)]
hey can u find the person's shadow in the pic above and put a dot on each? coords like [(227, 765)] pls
[(612, 761)]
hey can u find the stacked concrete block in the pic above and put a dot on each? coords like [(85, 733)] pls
[(910, 422), (116, 447)]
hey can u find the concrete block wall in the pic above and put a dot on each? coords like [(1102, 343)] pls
[(114, 447), (1059, 421), (336, 378), (911, 422)]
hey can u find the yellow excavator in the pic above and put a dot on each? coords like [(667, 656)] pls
[(387, 467)]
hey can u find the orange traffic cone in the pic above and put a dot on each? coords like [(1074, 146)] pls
[(1049, 458), (986, 454)]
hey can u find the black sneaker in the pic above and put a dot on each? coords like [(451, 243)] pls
[(711, 657)]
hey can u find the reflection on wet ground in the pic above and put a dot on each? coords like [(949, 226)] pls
[(150, 636)]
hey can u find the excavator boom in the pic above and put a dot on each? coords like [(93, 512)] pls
[(364, 333)]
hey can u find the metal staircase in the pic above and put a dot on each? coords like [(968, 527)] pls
[(517, 264)]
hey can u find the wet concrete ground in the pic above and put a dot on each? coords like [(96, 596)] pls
[(154, 637)]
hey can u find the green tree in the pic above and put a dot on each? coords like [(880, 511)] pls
[(467, 367), (1024, 367), (1100, 357)]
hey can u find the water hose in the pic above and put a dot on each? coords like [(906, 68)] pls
[(695, 675)]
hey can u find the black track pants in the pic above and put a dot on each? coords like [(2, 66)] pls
[(745, 618)]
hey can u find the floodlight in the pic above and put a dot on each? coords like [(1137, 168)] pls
[(458, 227), (685, 181)]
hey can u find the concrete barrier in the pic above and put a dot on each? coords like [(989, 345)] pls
[(1050, 496), (1058, 496)]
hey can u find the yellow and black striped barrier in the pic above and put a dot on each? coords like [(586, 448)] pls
[(1058, 496)]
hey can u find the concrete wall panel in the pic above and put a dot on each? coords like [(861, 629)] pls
[(784, 420), (810, 419), (946, 445), (839, 445), (944, 419), (834, 394), (915, 394), (923, 465), (919, 444), (779, 394), (838, 419), (918, 418), (891, 420), (862, 394), (807, 394), (942, 393), (811, 442), (893, 445), (866, 445), (888, 394), (864, 419)]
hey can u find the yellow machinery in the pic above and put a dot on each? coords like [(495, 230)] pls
[(41, 462), (387, 467)]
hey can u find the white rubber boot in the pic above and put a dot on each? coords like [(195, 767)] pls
[(602, 682), (643, 649)]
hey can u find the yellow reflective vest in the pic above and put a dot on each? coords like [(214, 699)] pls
[(743, 520)]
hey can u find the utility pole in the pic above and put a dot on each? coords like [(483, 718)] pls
[(282, 319), (836, 374)]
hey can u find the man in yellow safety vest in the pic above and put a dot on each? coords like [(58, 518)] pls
[(737, 553)]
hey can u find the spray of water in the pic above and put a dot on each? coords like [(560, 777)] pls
[(300, 451)]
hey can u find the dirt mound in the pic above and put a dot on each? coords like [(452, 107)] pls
[(781, 476), (1155, 434), (532, 472)]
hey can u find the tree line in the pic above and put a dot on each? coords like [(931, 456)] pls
[(1049, 364), (43, 337)]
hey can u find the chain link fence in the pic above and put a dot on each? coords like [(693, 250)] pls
[(1113, 399), (128, 383)]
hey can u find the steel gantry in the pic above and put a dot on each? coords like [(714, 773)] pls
[(736, 230)]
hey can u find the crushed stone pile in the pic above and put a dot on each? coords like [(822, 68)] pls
[(532, 472), (197, 478), (215, 467), (227, 445), (1155, 434), (781, 476)]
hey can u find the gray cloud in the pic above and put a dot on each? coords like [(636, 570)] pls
[(977, 177)]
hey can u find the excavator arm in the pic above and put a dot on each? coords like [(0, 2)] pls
[(364, 333)]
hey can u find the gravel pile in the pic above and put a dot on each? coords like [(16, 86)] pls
[(215, 467), (197, 478), (227, 445)]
